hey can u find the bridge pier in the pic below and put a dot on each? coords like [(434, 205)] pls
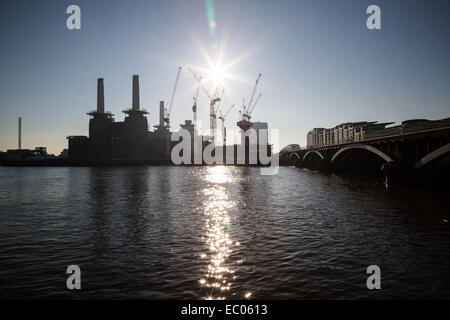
[(412, 153), (396, 173), (324, 165)]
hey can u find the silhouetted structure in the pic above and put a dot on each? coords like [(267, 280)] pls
[(416, 150), (131, 141), (246, 141), (78, 147), (128, 140), (344, 133), (20, 133), (24, 154)]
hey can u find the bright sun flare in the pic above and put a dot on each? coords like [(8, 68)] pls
[(217, 74)]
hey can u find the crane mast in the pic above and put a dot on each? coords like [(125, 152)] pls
[(246, 110), (213, 99), (222, 117), (167, 117), (253, 107), (194, 107)]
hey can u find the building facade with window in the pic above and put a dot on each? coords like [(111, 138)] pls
[(341, 134)]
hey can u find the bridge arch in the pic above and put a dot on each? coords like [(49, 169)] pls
[(294, 156), (312, 152), (374, 150), (432, 155)]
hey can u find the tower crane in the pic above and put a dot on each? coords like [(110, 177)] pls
[(213, 99), (194, 107), (222, 117), (249, 113), (167, 112), (246, 110), (220, 102), (216, 109)]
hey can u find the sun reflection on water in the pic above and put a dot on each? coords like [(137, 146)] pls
[(217, 279)]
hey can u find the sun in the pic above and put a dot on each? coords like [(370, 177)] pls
[(217, 74)]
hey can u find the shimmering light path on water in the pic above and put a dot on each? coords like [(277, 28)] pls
[(217, 233)]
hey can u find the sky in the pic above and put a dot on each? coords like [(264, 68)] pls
[(320, 64)]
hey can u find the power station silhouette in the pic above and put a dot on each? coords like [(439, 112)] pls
[(129, 139)]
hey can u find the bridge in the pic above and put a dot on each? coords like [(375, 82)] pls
[(411, 152)]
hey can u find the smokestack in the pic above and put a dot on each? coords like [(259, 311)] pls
[(161, 113), (20, 133), (100, 96), (136, 92)]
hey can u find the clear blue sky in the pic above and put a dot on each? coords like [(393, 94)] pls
[(321, 66)]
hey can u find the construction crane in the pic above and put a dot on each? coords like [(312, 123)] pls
[(220, 102), (213, 99), (167, 112), (246, 110), (222, 117), (249, 113), (194, 107)]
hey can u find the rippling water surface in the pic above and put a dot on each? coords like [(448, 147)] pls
[(218, 233)]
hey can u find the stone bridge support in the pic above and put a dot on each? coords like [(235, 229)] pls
[(398, 160)]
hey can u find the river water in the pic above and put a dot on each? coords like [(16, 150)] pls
[(218, 232)]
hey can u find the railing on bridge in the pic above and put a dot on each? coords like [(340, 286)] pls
[(415, 151), (403, 129), (407, 127)]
